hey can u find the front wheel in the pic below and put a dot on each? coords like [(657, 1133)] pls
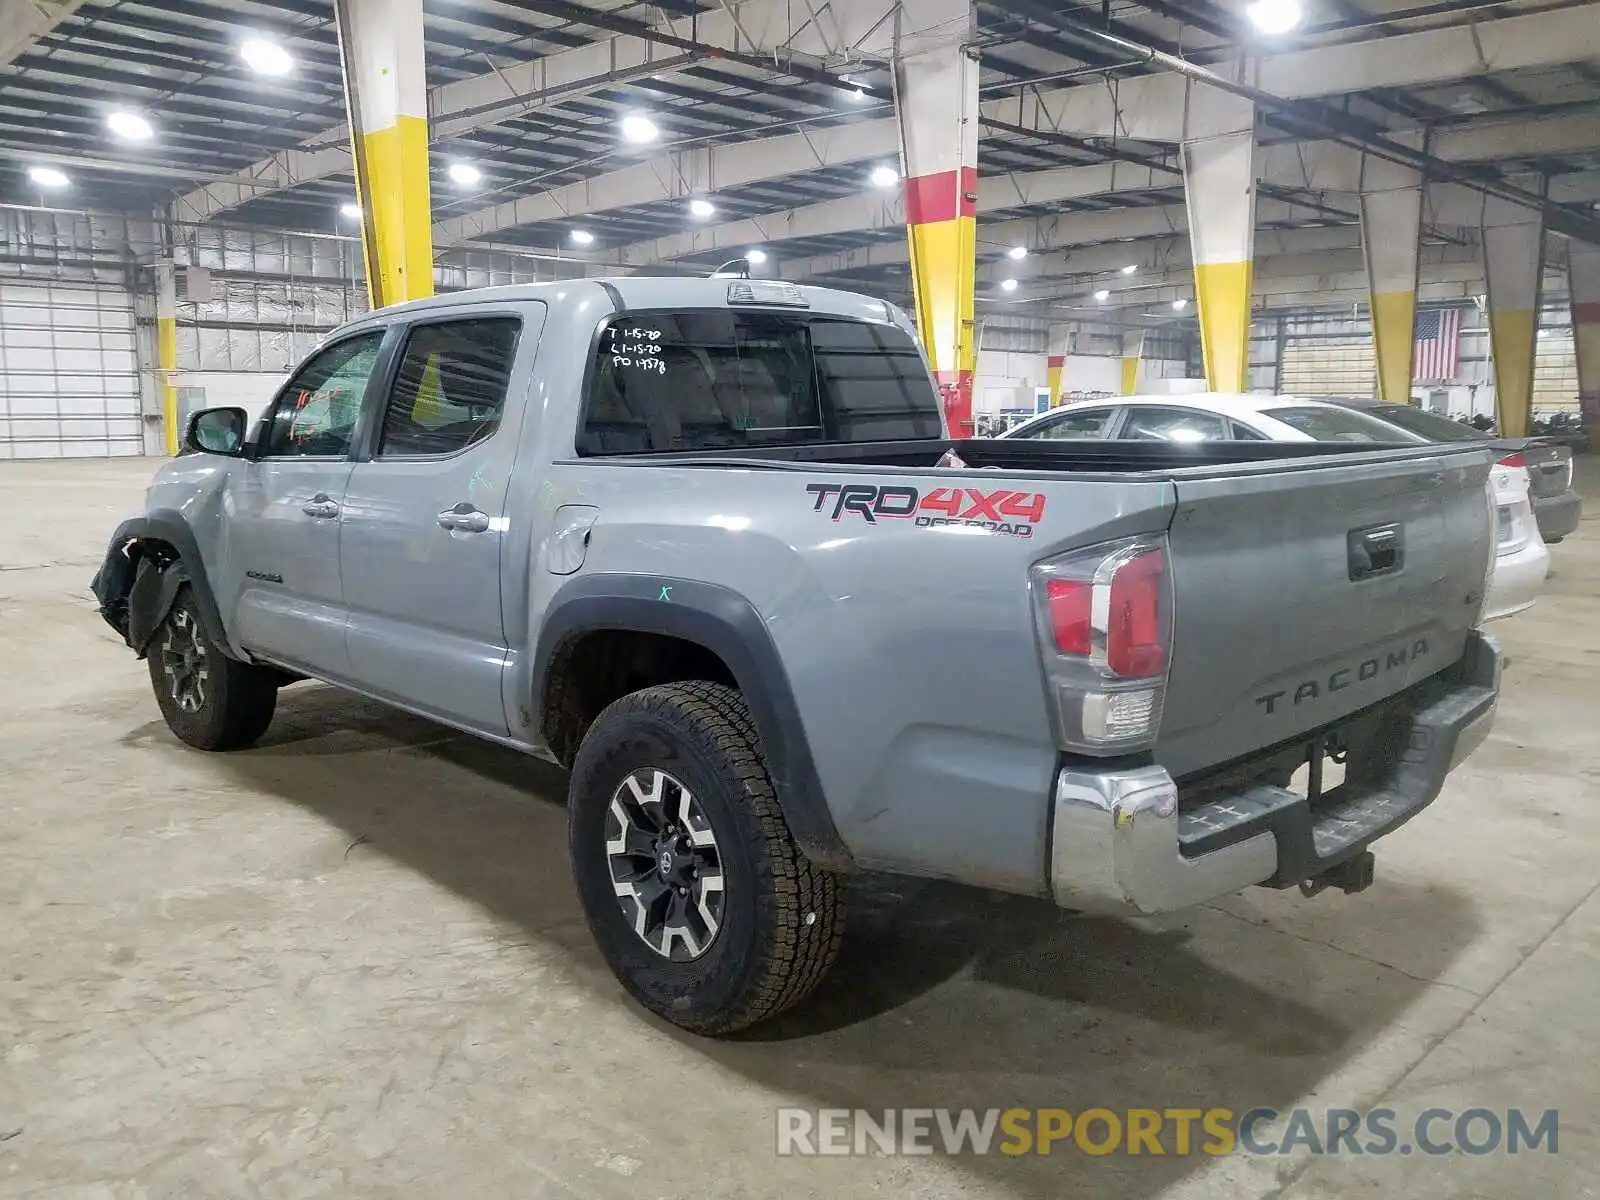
[(209, 700), (693, 887)]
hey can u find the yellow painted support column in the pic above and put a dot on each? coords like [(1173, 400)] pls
[(1218, 157), (1513, 254), (1394, 326), (1391, 226), (936, 93), (1130, 376), (1583, 285), (1132, 357), (386, 95), (167, 353)]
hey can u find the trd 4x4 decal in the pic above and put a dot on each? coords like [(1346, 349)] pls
[(1004, 511)]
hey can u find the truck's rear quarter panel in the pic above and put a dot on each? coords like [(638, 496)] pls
[(909, 647)]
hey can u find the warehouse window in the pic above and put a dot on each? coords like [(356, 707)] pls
[(450, 388)]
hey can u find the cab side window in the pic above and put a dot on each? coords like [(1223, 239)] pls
[(450, 389), (316, 414), (1074, 426), (1152, 424)]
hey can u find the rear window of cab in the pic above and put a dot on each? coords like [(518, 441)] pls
[(717, 379)]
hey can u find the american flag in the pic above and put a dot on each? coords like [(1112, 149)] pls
[(1438, 349)]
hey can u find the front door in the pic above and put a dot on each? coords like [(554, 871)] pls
[(424, 519), (282, 597)]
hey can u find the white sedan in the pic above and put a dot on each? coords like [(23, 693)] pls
[(1521, 560)]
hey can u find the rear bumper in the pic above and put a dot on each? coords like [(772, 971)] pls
[(1122, 843), (1557, 515), (1518, 580)]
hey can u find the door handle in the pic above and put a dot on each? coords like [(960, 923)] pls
[(464, 519), (322, 506)]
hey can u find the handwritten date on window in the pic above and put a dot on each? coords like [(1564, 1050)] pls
[(635, 348)]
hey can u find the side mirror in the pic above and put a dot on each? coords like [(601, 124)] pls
[(218, 431)]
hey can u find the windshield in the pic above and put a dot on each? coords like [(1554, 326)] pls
[(1426, 424), (714, 379), (1327, 423)]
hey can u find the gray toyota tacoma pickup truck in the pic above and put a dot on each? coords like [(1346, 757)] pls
[(706, 543)]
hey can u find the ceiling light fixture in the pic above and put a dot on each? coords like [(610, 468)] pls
[(702, 209), (266, 57), (1179, 305), (48, 177), (1008, 285), (1017, 253), (130, 126), (1102, 295), (639, 129), (1130, 268), (1274, 17), (884, 177), (756, 257), (350, 212), (582, 237), (464, 173)]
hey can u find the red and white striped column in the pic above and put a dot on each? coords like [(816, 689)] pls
[(1583, 286), (936, 82), (1059, 346)]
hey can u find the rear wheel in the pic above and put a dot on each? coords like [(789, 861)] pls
[(693, 887), (209, 700)]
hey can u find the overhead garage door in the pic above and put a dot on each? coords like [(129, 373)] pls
[(69, 377), (1329, 367), (1555, 373)]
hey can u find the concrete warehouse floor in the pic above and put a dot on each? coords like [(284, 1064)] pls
[(350, 962)]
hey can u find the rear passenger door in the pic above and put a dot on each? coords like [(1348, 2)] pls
[(424, 524)]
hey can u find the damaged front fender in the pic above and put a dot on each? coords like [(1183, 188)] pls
[(149, 559), (155, 588)]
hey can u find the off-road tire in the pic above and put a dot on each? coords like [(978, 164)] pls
[(782, 919), (237, 699)]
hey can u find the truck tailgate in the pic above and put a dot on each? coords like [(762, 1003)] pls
[(1308, 591)]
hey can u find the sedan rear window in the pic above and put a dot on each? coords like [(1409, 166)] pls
[(1426, 424), (1332, 424), (717, 379)]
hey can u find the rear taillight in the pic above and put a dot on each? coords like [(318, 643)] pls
[(1104, 623), (1070, 601), (1135, 648)]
